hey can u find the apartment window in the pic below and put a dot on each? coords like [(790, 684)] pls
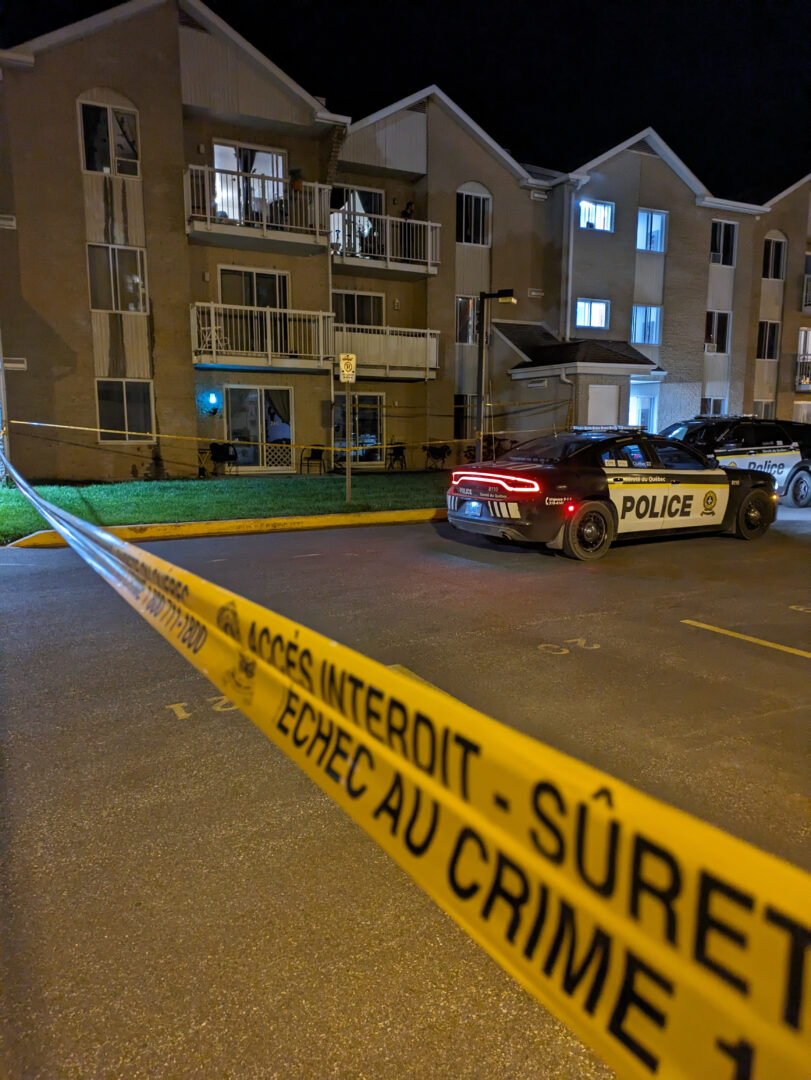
[(722, 242), (646, 325), (358, 308), (592, 313), (651, 227), (125, 410), (764, 409), (466, 320), (768, 334), (473, 218), (716, 331), (774, 256), (109, 140), (117, 278), (713, 406), (597, 215)]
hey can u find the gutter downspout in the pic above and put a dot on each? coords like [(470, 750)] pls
[(573, 185)]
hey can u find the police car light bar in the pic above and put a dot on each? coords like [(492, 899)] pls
[(608, 427), (508, 482)]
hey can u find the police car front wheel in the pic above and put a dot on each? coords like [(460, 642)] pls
[(587, 533), (753, 517)]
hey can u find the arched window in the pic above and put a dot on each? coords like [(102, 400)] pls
[(108, 133), (473, 213), (774, 255)]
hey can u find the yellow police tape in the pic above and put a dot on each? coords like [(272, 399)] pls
[(668, 946)]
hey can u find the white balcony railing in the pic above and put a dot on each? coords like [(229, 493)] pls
[(382, 239), (228, 332), (267, 203), (391, 348), (803, 378), (807, 294)]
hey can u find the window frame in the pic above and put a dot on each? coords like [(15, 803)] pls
[(657, 323), (596, 203), (487, 218), (254, 270), (711, 411), (590, 325), (80, 102), (724, 223), (777, 244), (664, 215), (119, 442), (115, 279), (474, 330), (381, 296), (768, 339), (711, 338)]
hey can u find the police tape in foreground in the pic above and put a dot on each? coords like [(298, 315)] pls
[(668, 946)]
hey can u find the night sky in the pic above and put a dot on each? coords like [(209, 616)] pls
[(726, 84)]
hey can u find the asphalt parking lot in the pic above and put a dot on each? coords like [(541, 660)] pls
[(177, 900)]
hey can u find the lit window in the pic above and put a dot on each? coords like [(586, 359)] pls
[(597, 215), (125, 410), (722, 242), (767, 340), (646, 325), (592, 313), (774, 253), (117, 278), (650, 230), (110, 140), (466, 320), (472, 218), (716, 331)]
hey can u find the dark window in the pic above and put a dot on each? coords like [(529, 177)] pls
[(722, 243), (716, 330), (767, 335), (466, 320), (762, 435), (634, 454), (125, 410), (678, 457), (774, 252), (472, 218), (110, 139)]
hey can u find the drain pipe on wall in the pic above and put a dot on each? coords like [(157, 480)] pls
[(573, 185)]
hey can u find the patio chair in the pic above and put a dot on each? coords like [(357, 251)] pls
[(312, 456)]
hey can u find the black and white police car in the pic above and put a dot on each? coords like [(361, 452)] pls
[(781, 447), (580, 489)]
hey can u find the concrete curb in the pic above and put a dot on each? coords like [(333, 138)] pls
[(181, 530)]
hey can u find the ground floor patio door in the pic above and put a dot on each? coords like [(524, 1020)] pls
[(259, 422)]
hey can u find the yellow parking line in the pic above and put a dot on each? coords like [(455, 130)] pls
[(746, 637)]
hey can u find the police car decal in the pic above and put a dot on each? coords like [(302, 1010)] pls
[(770, 459), (645, 503)]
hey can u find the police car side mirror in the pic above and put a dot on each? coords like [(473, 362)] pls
[(712, 461)]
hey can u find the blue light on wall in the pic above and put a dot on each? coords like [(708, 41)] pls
[(209, 401)]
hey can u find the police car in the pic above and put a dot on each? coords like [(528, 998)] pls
[(781, 447), (579, 490)]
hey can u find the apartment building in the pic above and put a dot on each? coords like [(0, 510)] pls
[(190, 239)]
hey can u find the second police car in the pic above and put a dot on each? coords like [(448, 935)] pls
[(579, 490)]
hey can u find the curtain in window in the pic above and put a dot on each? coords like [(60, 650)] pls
[(278, 402)]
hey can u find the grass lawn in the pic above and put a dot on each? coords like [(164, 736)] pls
[(147, 502)]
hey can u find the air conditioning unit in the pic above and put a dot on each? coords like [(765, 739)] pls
[(715, 256), (709, 347)]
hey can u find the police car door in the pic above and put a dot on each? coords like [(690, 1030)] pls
[(634, 487), (699, 492), (760, 446)]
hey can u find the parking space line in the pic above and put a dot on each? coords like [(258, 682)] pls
[(746, 637)]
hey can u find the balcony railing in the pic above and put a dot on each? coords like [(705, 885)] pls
[(385, 240), (231, 334), (807, 294), (217, 197), (389, 349), (803, 379)]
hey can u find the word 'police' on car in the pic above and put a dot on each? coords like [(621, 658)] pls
[(579, 490)]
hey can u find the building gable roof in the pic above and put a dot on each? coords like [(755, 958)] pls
[(467, 122), (790, 190), (539, 348), (24, 55)]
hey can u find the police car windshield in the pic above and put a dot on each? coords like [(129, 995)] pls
[(550, 448)]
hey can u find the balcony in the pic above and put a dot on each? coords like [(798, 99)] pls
[(807, 294), (264, 213), (802, 382), (226, 335), (389, 351), (384, 246)]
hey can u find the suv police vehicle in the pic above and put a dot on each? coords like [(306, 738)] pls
[(579, 490), (781, 447)]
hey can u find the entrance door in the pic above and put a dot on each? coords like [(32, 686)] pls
[(247, 331), (642, 405), (259, 422), (248, 181), (366, 428)]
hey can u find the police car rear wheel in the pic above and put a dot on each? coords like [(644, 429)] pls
[(587, 533), (800, 489), (752, 519)]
